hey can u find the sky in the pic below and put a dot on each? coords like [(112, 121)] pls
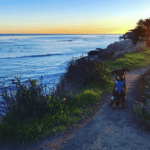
[(71, 16)]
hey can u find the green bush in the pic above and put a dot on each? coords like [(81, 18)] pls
[(28, 102)]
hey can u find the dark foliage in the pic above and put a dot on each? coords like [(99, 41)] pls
[(29, 101), (139, 33), (85, 72)]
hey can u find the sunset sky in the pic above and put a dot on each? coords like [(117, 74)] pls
[(71, 16)]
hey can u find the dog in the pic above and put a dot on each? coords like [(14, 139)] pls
[(119, 89)]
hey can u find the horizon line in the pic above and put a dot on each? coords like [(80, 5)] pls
[(47, 34)]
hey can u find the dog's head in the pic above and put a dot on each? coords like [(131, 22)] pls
[(120, 73)]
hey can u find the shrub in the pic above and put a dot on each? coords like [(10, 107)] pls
[(86, 72), (29, 101)]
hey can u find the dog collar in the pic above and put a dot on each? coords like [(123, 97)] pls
[(119, 85)]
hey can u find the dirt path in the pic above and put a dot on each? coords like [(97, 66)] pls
[(114, 129), (109, 129)]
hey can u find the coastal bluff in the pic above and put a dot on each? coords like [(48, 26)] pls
[(112, 52), (118, 49)]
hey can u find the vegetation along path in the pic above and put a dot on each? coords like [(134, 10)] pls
[(114, 128)]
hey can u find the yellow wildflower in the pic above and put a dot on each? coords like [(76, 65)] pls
[(64, 99)]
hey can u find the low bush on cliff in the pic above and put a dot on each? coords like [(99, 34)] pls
[(86, 72), (28, 101)]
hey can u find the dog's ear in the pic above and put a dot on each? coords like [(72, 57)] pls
[(125, 69)]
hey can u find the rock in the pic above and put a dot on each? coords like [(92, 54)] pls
[(104, 54), (118, 55), (109, 54), (138, 47), (93, 55), (93, 52), (118, 49), (119, 46), (99, 49)]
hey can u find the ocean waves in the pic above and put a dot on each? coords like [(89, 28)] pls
[(42, 55)]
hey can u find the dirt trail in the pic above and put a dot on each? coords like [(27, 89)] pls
[(109, 129)]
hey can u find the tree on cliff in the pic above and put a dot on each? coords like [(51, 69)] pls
[(140, 33)]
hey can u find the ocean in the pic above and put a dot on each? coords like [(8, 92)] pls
[(47, 55)]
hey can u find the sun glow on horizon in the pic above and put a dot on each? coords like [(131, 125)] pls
[(85, 28), (75, 17), (64, 31)]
